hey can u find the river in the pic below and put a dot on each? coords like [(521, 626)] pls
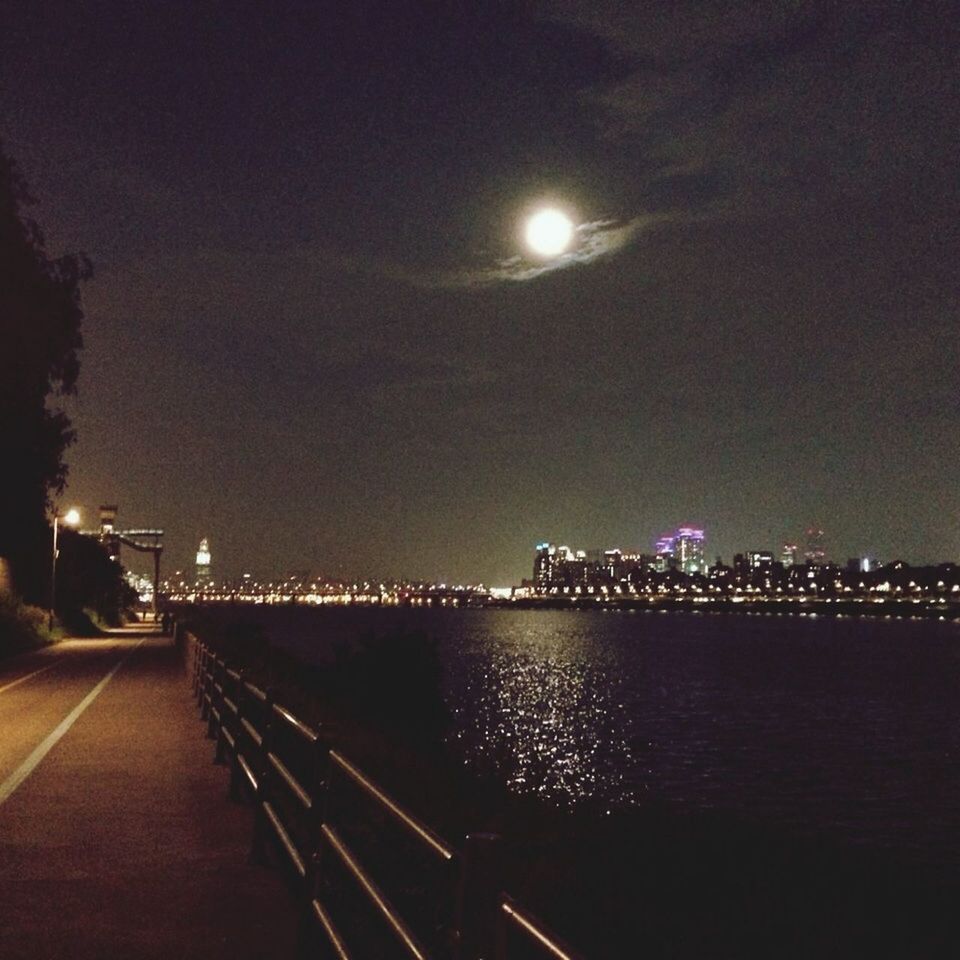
[(842, 727)]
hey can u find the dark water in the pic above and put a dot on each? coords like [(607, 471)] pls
[(842, 727)]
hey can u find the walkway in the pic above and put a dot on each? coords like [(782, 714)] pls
[(116, 835)]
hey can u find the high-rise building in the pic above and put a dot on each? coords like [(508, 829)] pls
[(666, 558), (760, 561), (790, 555), (688, 549), (550, 566), (203, 560), (816, 554)]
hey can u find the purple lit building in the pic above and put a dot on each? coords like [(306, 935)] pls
[(682, 550), (666, 558), (688, 549)]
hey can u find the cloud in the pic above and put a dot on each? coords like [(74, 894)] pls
[(595, 239), (773, 104)]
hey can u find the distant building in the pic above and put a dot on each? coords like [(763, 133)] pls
[(666, 557), (688, 550), (790, 555), (816, 554), (203, 560), (551, 566), (760, 561), (613, 564)]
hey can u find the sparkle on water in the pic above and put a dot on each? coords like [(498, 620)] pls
[(549, 232), (845, 727)]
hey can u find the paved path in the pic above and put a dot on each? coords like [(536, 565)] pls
[(116, 835)]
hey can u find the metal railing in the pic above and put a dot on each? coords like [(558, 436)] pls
[(344, 841)]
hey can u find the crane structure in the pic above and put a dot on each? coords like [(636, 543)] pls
[(141, 540)]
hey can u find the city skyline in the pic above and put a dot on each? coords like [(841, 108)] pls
[(655, 548), (318, 332)]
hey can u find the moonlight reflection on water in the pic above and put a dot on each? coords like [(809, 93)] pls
[(544, 722), (844, 726), (540, 708)]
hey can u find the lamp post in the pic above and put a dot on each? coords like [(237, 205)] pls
[(71, 518)]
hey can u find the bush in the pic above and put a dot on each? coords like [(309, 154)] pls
[(22, 627)]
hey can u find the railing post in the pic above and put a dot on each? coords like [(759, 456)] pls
[(478, 898), (319, 790), (206, 686), (258, 844), (219, 751), (198, 670), (198, 660), (236, 793), (213, 709)]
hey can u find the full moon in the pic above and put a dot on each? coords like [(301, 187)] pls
[(549, 232)]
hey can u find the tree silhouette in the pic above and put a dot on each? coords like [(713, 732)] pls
[(40, 320)]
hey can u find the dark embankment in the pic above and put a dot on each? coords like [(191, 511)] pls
[(653, 881)]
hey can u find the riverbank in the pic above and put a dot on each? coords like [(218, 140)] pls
[(671, 881), (767, 606)]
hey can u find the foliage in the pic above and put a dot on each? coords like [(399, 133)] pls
[(21, 626), (40, 339), (88, 578)]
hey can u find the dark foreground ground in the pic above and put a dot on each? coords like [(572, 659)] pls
[(654, 882), (121, 842)]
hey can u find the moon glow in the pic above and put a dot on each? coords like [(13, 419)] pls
[(549, 232)]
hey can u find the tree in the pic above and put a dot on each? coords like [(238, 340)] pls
[(40, 338)]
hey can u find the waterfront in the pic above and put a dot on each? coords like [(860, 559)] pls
[(840, 727)]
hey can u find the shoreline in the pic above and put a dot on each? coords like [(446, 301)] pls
[(764, 606), (938, 610)]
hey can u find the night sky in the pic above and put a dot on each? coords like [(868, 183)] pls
[(314, 334)]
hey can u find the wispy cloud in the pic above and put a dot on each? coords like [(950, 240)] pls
[(593, 240)]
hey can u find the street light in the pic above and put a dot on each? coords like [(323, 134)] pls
[(71, 518)]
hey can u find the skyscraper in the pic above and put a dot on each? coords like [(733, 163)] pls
[(203, 560), (790, 555), (688, 549), (666, 558), (816, 554)]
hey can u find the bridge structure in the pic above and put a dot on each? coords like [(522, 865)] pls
[(141, 540)]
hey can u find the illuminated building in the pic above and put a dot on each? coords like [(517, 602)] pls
[(815, 555), (760, 561), (613, 564), (203, 560), (549, 566), (790, 555), (688, 550), (666, 558)]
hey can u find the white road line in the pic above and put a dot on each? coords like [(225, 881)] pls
[(35, 673), (8, 787)]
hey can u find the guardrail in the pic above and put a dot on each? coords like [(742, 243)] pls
[(344, 841)]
